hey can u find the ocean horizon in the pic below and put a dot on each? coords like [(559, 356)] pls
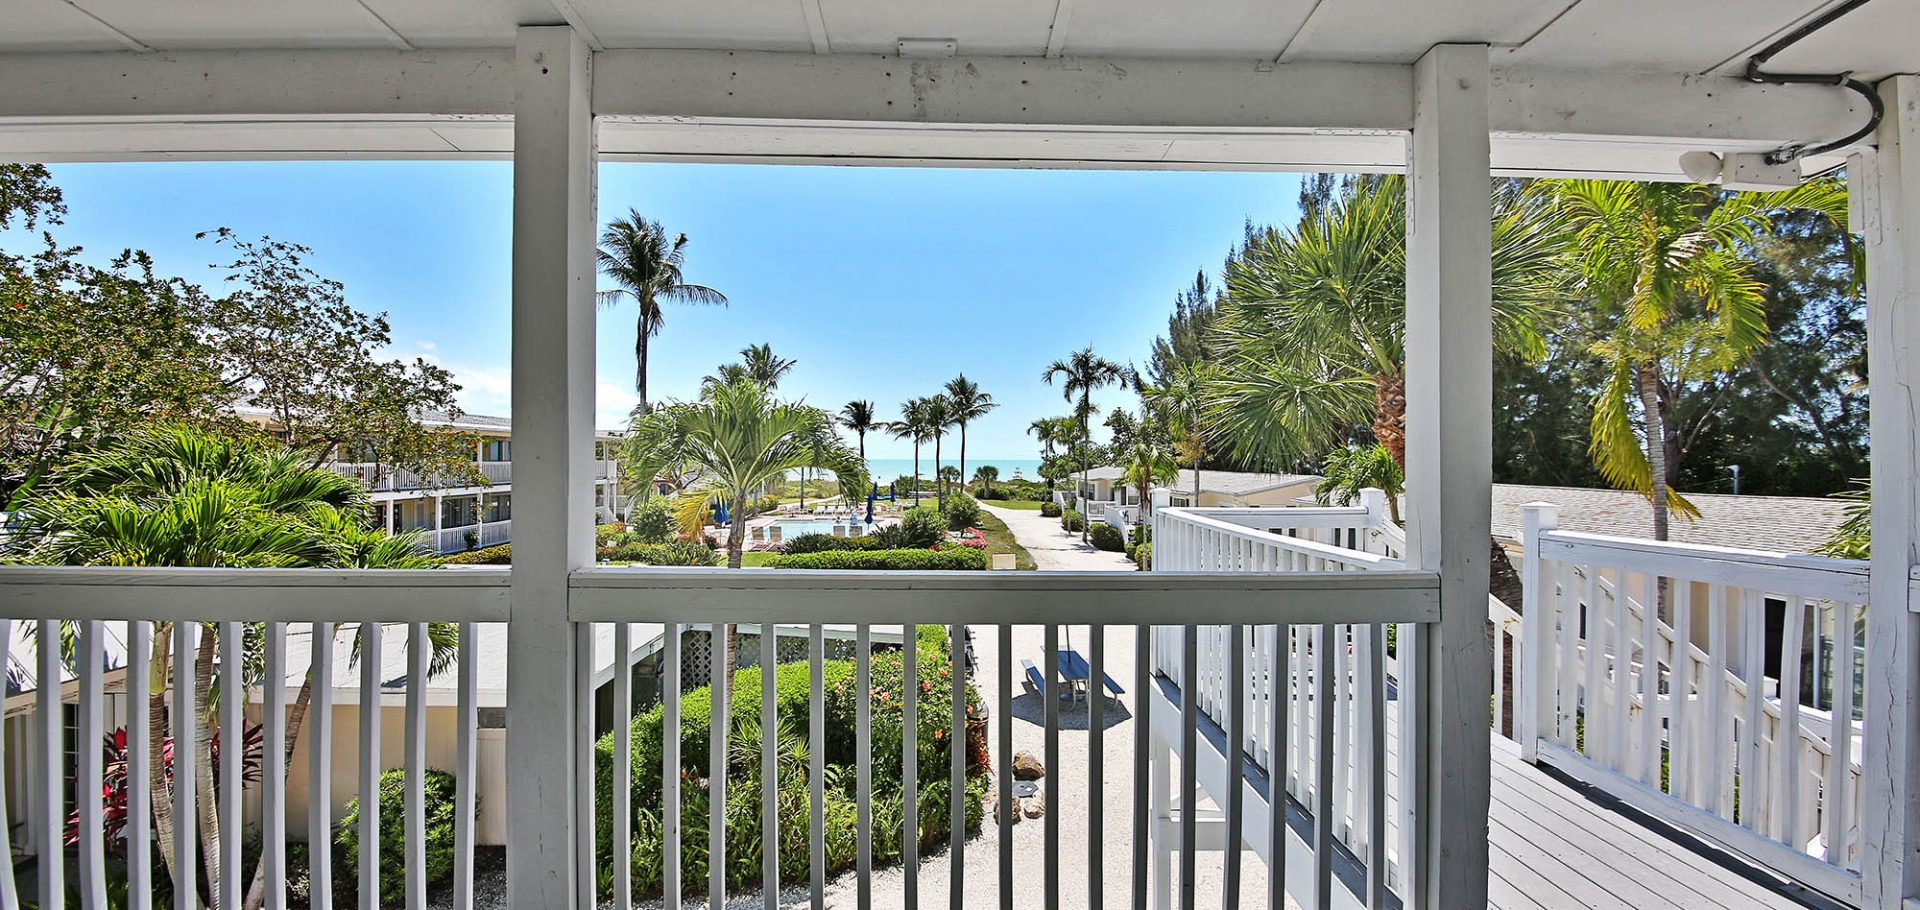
[(886, 469)]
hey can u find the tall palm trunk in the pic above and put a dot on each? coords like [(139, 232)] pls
[(963, 455), (296, 721), (939, 480), (916, 473), (160, 795), (1390, 413), (640, 358), (1086, 442), (204, 795), (1654, 420)]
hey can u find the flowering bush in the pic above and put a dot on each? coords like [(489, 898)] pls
[(968, 537)]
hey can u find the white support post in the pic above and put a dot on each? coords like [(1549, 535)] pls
[(1449, 458), (1535, 701), (1885, 187), (553, 323)]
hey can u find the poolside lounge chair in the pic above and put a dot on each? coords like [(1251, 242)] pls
[(773, 533)]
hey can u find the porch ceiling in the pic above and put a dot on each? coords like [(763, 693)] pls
[(1698, 36), (1601, 87)]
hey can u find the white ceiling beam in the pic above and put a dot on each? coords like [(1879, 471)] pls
[(384, 27), (569, 12), (858, 108), (816, 26), (131, 43)]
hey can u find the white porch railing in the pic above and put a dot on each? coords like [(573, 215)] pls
[(497, 472), (453, 540), (1321, 707), (1732, 725)]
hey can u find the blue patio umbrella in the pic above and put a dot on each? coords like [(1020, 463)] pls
[(720, 513)]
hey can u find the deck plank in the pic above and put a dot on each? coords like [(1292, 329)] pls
[(1550, 802)]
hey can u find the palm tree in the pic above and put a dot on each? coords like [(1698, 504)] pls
[(741, 438), (1312, 336), (860, 417), (939, 413), (1355, 468), (1080, 373), (969, 404), (763, 366), (914, 424), (1147, 464), (646, 266), (1179, 401), (1670, 265), (985, 475)]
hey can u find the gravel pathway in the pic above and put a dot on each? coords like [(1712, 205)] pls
[(1052, 547)]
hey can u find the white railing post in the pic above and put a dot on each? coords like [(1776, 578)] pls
[(1534, 702), (1375, 502), (1449, 382), (1885, 197), (553, 382)]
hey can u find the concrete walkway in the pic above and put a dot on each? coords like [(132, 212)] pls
[(1053, 549)]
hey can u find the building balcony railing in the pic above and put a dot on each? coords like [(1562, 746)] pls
[(388, 479)]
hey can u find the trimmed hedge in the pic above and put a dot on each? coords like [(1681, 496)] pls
[(1072, 521), (677, 553), (959, 559), (824, 543), (490, 556), (1107, 537), (961, 510), (1050, 509), (1143, 556)]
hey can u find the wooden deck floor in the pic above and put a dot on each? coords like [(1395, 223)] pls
[(1555, 846)]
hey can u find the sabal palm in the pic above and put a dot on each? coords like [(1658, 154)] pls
[(1669, 265), (916, 424), (1080, 374), (985, 475), (939, 416), (862, 418), (763, 366), (1312, 338), (968, 404), (647, 267), (741, 438)]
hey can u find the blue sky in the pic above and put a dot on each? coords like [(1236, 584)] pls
[(882, 283)]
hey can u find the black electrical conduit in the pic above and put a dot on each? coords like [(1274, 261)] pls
[(1788, 153)]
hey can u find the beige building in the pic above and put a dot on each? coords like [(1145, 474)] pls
[(1217, 488)]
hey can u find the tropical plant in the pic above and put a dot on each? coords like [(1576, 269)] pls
[(1352, 469), (647, 267), (437, 850), (1853, 539), (939, 415), (1178, 400), (1147, 464), (1080, 373), (860, 417), (742, 438), (1671, 267), (763, 366), (915, 423), (1312, 339), (985, 475), (968, 404)]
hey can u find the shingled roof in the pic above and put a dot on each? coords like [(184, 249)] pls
[(1784, 524)]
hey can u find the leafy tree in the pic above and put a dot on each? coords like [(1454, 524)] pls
[(1080, 373), (1148, 463), (1178, 402), (860, 417), (1356, 468), (647, 267), (1183, 348), (1669, 266), (763, 366), (915, 423), (968, 404), (938, 410)]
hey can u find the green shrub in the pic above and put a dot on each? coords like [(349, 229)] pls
[(439, 786), (675, 553), (1143, 557), (961, 511), (791, 703), (651, 521), (822, 543), (958, 559), (1140, 533), (1072, 521), (1107, 537), (923, 527), (1050, 509), (608, 534), (491, 556)]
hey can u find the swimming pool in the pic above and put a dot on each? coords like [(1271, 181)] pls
[(791, 528)]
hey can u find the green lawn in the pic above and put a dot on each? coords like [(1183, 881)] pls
[(1000, 540), (1025, 505), (756, 559)]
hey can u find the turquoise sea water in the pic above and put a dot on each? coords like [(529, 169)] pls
[(886, 469)]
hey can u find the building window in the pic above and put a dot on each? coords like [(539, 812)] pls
[(458, 513), (500, 449), (500, 507)]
